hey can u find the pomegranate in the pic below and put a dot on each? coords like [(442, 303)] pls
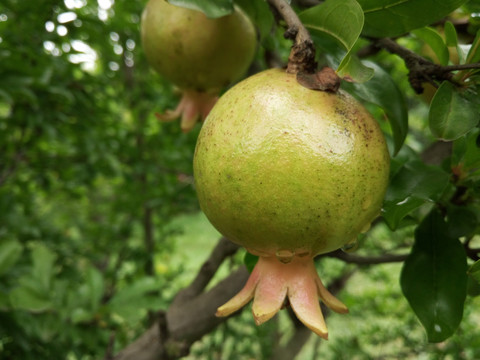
[(197, 54), (289, 173)]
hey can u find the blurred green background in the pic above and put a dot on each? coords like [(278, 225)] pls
[(99, 223)]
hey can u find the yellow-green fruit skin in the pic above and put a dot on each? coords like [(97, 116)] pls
[(280, 167), (193, 51)]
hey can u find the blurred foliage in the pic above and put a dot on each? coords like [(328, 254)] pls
[(86, 173), (92, 188)]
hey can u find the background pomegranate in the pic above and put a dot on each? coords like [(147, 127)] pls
[(289, 173), (197, 54)]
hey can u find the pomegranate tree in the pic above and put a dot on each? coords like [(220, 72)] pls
[(289, 173), (198, 54)]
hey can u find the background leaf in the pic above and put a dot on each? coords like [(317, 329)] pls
[(413, 185), (474, 52), (352, 67), (474, 271), (389, 18), (96, 287), (466, 156), (461, 221), (453, 112), (43, 262), (10, 252), (434, 278), (26, 298), (451, 37), (434, 40)]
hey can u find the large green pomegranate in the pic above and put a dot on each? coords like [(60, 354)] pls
[(198, 54), (289, 173)]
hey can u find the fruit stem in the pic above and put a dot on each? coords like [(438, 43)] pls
[(302, 55)]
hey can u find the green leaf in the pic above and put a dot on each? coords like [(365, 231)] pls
[(434, 278), (474, 271), (133, 292), (342, 22), (390, 18), (453, 112), (413, 185), (474, 52), (80, 315), (473, 287), (10, 252), (461, 221), (133, 301), (96, 287), (27, 298), (212, 8), (43, 261), (382, 91), (451, 38), (419, 180), (394, 212), (433, 39), (353, 68), (466, 155)]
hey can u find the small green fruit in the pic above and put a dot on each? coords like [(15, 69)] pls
[(193, 51), (197, 54)]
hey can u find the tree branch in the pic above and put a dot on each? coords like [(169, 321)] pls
[(420, 69), (192, 313), (222, 250), (302, 55), (366, 260)]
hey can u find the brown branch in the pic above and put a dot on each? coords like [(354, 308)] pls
[(185, 323), (302, 55), (366, 260), (420, 69), (222, 250), (192, 313)]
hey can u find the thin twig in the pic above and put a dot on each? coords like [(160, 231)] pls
[(302, 55), (366, 260)]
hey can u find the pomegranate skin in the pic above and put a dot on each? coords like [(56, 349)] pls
[(281, 169)]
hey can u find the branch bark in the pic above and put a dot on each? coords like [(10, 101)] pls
[(420, 69), (366, 260), (302, 55), (191, 314), (171, 336), (223, 249)]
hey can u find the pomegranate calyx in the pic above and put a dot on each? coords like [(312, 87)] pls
[(272, 281), (193, 105)]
